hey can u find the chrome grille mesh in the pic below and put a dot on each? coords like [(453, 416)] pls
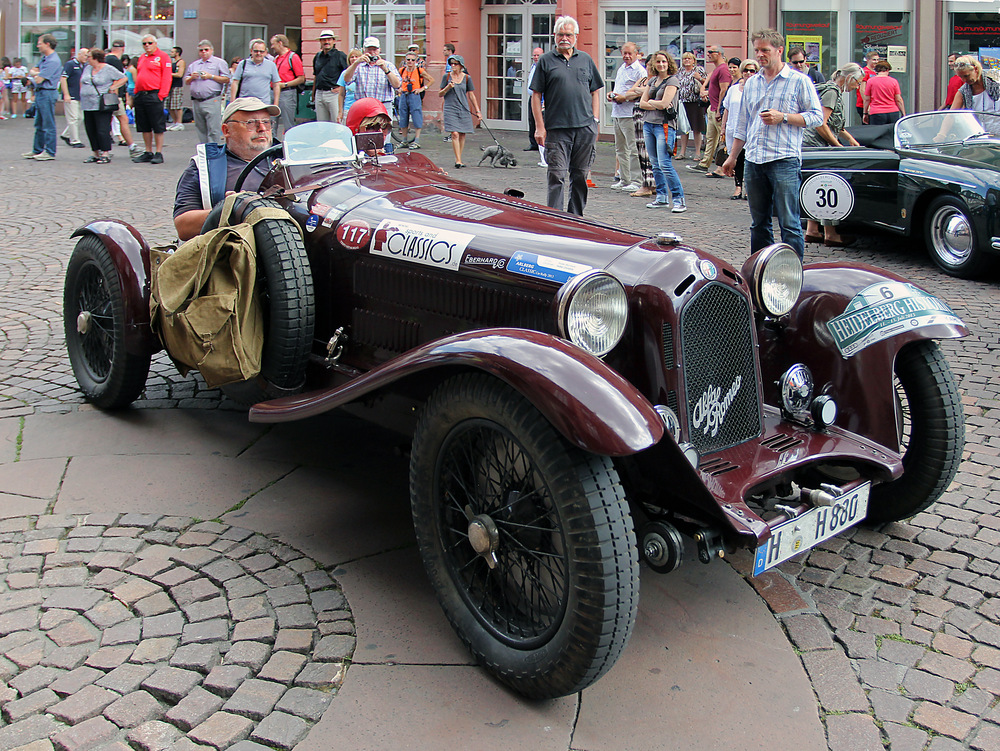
[(718, 362)]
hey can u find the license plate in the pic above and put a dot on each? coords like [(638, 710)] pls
[(811, 528)]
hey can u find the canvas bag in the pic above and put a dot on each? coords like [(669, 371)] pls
[(202, 302)]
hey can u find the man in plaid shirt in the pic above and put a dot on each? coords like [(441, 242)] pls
[(376, 77)]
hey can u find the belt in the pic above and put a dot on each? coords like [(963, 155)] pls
[(206, 98)]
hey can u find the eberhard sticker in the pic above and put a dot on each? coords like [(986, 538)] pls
[(544, 267), (880, 311), (417, 243)]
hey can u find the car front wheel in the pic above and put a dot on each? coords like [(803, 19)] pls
[(94, 324), (931, 434), (526, 539), (951, 238)]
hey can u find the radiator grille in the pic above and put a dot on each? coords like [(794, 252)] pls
[(719, 369)]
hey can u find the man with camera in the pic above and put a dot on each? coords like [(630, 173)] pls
[(376, 77), (410, 108)]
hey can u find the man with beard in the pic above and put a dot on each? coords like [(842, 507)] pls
[(246, 128)]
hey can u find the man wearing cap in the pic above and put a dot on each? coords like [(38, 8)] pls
[(328, 64), (571, 84), (207, 76), (377, 77), (246, 128), (152, 85)]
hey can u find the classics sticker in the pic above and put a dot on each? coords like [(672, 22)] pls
[(417, 243), (883, 310), (544, 267), (354, 233)]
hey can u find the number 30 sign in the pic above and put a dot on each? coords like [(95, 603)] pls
[(826, 196)]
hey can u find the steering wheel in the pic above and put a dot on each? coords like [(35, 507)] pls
[(245, 172)]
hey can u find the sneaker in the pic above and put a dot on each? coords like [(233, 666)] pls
[(447, 139), (157, 158), (403, 146), (543, 164), (135, 149), (145, 156), (175, 126), (414, 144), (77, 145), (66, 139), (618, 185), (43, 157), (28, 155), (629, 188), (656, 204), (679, 207), (695, 168)]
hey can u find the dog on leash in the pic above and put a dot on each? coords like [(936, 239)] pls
[(498, 156)]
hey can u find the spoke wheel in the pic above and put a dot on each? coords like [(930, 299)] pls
[(526, 539), (94, 325), (951, 238), (931, 434)]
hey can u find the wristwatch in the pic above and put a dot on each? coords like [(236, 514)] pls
[(784, 117)]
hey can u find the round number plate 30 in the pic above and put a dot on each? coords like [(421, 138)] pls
[(826, 196)]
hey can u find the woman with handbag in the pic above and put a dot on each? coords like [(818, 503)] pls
[(99, 100), (692, 76), (659, 103)]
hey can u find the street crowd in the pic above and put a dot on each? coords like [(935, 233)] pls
[(747, 119)]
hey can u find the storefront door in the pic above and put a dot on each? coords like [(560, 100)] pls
[(511, 34)]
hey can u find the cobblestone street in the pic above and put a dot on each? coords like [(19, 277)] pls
[(897, 627)]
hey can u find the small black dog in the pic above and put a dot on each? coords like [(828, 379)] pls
[(498, 156)]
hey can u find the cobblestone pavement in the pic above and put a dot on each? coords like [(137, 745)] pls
[(898, 627)]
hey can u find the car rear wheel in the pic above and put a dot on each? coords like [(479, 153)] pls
[(951, 238), (931, 434), (526, 539), (94, 324)]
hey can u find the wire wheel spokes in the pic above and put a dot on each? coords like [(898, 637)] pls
[(97, 331), (904, 416), (485, 472)]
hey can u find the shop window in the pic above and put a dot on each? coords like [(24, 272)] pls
[(889, 35), (816, 33), (236, 39)]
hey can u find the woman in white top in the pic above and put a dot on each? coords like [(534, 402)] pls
[(979, 92), (734, 95)]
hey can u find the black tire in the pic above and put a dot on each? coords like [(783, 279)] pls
[(94, 324), (931, 430), (951, 239), (285, 289), (555, 613)]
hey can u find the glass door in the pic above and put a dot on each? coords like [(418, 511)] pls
[(511, 35)]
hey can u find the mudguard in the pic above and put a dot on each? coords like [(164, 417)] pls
[(858, 375), (130, 254), (584, 399)]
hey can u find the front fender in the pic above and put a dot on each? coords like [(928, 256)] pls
[(593, 406), (130, 255), (861, 382)]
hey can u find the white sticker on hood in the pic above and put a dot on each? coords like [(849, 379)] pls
[(419, 243)]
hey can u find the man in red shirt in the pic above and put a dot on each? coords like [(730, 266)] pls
[(714, 90), (869, 70), (955, 83), (292, 76), (152, 85)]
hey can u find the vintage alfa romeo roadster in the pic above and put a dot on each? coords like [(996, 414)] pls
[(578, 396)]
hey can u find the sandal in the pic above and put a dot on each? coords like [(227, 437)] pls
[(736, 196), (815, 239), (91, 160)]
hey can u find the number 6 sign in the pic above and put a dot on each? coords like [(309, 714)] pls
[(826, 196)]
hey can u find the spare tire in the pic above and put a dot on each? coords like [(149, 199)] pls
[(285, 289)]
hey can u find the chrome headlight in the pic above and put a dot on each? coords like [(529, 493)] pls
[(775, 277), (593, 311)]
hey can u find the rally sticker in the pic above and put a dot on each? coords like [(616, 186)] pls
[(354, 233), (418, 243), (312, 222), (883, 310), (826, 196), (545, 267)]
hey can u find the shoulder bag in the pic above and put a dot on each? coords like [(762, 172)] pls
[(106, 101)]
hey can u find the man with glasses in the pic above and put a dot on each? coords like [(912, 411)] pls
[(207, 76), (257, 77), (246, 127), (327, 67), (797, 59), (714, 90), (377, 77), (152, 86), (571, 85), (413, 83)]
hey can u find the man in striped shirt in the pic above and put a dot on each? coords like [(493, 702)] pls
[(778, 104)]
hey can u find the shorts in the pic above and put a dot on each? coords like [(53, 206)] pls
[(409, 108), (149, 114), (175, 100)]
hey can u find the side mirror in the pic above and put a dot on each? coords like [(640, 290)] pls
[(373, 140)]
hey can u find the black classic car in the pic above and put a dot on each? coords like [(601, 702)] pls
[(579, 397), (934, 176)]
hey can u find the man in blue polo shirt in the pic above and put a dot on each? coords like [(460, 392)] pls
[(571, 85), (46, 77), (69, 84)]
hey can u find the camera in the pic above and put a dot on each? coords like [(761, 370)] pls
[(373, 58), (409, 87)]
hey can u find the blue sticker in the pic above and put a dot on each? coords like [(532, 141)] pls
[(312, 222), (545, 267)]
